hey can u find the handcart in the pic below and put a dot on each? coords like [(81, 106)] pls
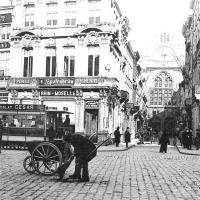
[(46, 157)]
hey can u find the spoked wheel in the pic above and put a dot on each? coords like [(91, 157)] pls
[(47, 158), (29, 165)]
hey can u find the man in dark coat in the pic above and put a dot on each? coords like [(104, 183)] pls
[(164, 140), (127, 137), (117, 136), (84, 151)]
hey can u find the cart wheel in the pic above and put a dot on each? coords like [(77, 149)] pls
[(29, 165), (47, 158)]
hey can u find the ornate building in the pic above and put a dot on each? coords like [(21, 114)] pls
[(73, 54), (161, 75)]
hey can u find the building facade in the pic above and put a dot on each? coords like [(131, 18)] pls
[(73, 54), (161, 75), (191, 83)]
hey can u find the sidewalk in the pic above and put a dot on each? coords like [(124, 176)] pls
[(122, 147)]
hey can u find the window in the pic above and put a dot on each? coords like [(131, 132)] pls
[(70, 22), (51, 66), (4, 63), (93, 65), (29, 16), (52, 15), (28, 66), (69, 64), (5, 32), (93, 20), (51, 19)]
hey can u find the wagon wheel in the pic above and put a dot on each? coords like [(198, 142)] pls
[(29, 165), (47, 158)]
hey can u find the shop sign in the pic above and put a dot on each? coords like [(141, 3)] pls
[(53, 81), (57, 92), (91, 104), (5, 18), (89, 80), (4, 97), (22, 107), (22, 82), (4, 45)]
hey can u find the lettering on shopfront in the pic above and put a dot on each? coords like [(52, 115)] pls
[(91, 104), (23, 82), (22, 107), (57, 93), (56, 81)]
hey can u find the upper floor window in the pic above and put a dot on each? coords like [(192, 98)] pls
[(29, 16), (94, 20), (69, 65), (5, 32), (51, 64), (28, 63), (51, 19), (52, 14), (93, 65), (4, 63), (168, 82)]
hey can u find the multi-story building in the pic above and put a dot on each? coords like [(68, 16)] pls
[(5, 27), (161, 75), (74, 54), (191, 83)]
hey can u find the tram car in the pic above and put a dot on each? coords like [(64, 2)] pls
[(24, 123)]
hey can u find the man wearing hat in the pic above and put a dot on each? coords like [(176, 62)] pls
[(84, 151)]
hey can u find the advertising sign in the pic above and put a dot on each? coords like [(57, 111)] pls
[(22, 107), (91, 104), (69, 92), (55, 81)]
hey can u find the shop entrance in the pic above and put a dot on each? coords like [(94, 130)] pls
[(91, 121)]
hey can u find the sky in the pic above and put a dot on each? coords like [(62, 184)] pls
[(148, 18)]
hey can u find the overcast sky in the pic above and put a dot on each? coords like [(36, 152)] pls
[(153, 17)]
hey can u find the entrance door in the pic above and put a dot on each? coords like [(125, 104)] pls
[(91, 121)]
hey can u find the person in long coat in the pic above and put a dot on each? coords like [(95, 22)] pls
[(84, 151), (127, 137), (117, 136), (164, 141)]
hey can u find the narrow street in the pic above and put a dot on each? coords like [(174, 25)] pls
[(138, 173)]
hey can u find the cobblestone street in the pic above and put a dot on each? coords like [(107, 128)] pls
[(138, 173)]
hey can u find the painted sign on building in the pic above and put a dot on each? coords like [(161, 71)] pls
[(22, 82), (91, 104), (55, 81), (69, 92), (22, 107)]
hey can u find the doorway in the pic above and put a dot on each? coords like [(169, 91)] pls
[(91, 121)]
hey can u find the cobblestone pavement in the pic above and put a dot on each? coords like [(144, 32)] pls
[(138, 173)]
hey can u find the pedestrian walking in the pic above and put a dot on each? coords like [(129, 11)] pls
[(117, 136), (164, 141), (84, 151), (127, 137), (1, 133)]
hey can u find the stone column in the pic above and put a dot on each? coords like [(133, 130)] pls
[(79, 112)]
